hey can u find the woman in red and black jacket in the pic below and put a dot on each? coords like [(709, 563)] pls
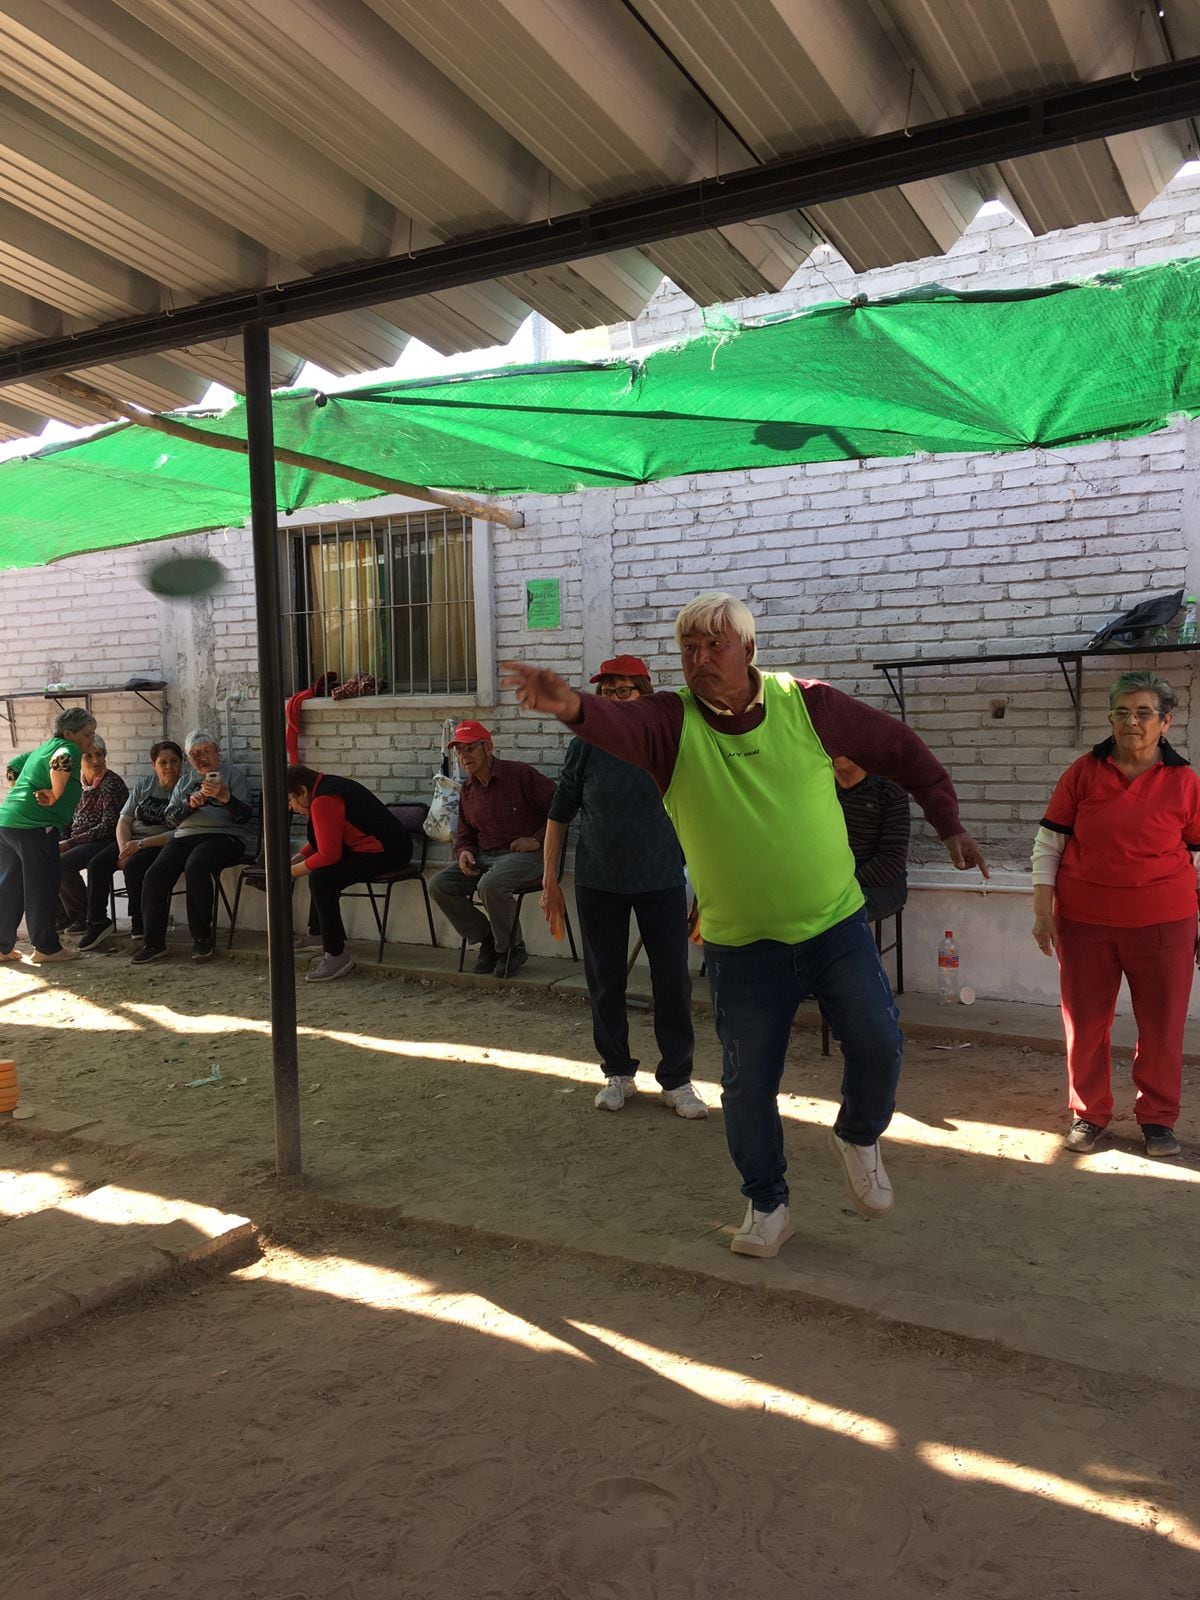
[(352, 836)]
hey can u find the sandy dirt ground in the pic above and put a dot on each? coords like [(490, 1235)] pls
[(369, 1416), (472, 1106)]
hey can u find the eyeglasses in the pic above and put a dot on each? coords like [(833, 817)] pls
[(620, 691), (1142, 714)]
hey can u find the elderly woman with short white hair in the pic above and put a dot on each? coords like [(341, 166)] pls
[(39, 805), (1114, 895), (211, 812), (93, 829)]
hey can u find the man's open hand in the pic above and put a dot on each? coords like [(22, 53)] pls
[(539, 689)]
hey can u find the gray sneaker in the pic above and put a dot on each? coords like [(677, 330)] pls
[(330, 967)]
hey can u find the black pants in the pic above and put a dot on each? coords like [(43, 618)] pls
[(29, 868), (72, 896), (101, 872), (325, 887), (200, 857), (604, 931)]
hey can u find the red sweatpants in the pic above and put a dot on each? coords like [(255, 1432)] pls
[(1159, 962)]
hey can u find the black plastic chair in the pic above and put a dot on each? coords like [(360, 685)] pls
[(409, 814), (534, 888), (897, 945)]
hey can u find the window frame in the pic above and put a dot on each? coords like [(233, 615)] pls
[(393, 507)]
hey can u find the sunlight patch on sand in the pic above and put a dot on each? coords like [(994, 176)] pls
[(740, 1393), (384, 1289), (973, 1466)]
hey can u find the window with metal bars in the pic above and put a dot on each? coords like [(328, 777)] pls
[(390, 598)]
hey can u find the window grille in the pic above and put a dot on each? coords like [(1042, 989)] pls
[(391, 597)]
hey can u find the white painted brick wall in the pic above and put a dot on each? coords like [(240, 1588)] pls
[(844, 563)]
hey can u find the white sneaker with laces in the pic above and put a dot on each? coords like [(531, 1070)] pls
[(615, 1093), (867, 1184), (685, 1102), (762, 1233)]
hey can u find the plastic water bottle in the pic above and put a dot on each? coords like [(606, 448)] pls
[(947, 970), (1188, 629)]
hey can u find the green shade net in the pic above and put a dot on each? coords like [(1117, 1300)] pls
[(931, 371)]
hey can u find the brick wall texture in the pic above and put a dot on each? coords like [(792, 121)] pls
[(843, 564)]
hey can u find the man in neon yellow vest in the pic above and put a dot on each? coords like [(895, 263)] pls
[(744, 761)]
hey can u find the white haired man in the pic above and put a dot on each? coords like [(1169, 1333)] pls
[(211, 811), (743, 759)]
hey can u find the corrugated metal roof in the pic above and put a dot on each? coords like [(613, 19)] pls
[(153, 152)]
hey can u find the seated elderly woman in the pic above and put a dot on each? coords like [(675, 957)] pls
[(141, 830), (1115, 896), (352, 836), (93, 829), (40, 802), (211, 815)]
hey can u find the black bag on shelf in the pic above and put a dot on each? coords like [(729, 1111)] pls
[(1131, 627)]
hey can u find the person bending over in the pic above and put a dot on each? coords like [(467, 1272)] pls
[(352, 836)]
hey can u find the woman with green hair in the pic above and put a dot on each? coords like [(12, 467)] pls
[(40, 803)]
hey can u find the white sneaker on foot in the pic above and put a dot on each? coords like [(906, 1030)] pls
[(305, 942), (685, 1102), (330, 967), (762, 1233), (867, 1184), (615, 1093)]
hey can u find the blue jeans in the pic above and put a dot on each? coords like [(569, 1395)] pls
[(756, 989)]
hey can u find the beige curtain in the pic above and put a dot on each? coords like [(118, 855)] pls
[(451, 608), (346, 610)]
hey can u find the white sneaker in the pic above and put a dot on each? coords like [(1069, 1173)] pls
[(867, 1184), (762, 1233), (304, 942), (685, 1102), (615, 1093), (330, 967), (43, 958)]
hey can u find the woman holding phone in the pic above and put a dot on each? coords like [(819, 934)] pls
[(211, 813)]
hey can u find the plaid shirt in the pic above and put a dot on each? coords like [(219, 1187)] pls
[(513, 805), (98, 809)]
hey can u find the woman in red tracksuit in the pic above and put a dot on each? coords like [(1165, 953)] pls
[(352, 836)]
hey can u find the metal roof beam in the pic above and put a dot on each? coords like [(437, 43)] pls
[(1041, 122)]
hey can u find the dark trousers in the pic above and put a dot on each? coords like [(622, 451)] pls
[(100, 881), (200, 857), (29, 874), (325, 887), (604, 931), (72, 896), (756, 989)]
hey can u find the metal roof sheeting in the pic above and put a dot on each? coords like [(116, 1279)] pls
[(155, 152)]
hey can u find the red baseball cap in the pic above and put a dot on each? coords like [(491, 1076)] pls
[(469, 732), (622, 667)]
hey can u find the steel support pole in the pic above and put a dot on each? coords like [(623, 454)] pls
[(260, 435)]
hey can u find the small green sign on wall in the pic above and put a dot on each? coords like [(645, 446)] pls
[(543, 608)]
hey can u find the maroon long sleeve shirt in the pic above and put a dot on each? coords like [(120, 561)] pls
[(647, 732), (513, 805)]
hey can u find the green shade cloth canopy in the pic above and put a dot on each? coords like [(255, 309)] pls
[(932, 371)]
